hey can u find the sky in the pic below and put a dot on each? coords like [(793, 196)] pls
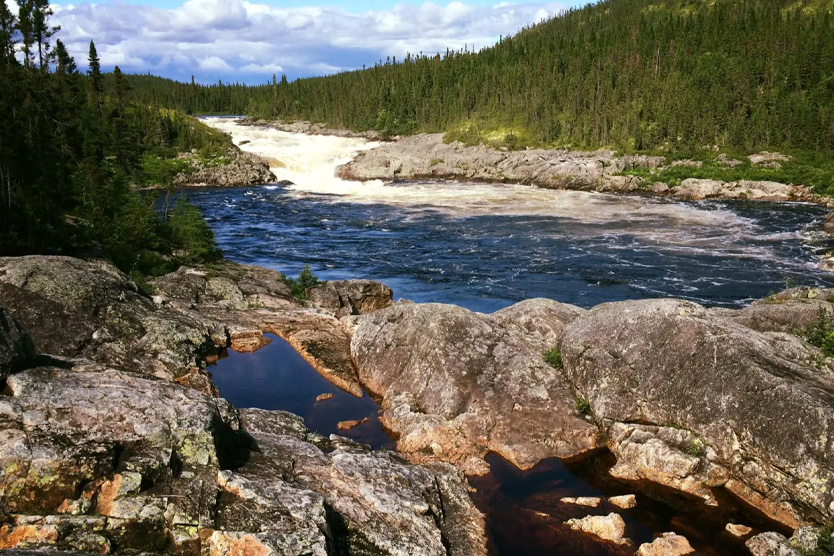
[(249, 41)]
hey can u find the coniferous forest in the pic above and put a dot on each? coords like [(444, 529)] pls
[(630, 74), (72, 146), (635, 75)]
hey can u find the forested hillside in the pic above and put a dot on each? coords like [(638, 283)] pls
[(71, 148), (633, 74)]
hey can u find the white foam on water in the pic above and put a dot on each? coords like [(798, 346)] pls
[(310, 162)]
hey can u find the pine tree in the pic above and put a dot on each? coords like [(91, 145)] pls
[(42, 31), (8, 28), (26, 28)]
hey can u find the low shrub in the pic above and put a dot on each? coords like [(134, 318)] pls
[(821, 334), (582, 405), (306, 279), (553, 357)]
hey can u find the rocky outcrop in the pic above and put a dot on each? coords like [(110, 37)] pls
[(456, 384), (88, 309), (429, 156), (771, 544), (237, 169), (16, 348), (75, 308), (683, 396), (699, 189), (310, 128), (93, 458), (609, 528), (794, 311), (352, 297), (247, 302), (691, 400)]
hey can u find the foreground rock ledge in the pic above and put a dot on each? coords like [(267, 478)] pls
[(696, 401), (685, 397), (94, 458), (456, 384), (87, 308)]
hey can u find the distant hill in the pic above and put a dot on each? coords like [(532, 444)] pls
[(631, 74)]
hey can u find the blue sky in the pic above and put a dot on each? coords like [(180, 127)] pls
[(249, 40)]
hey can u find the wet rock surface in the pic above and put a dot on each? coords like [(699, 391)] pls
[(456, 384)]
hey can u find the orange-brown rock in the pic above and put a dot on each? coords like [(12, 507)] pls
[(667, 544), (349, 425), (609, 528)]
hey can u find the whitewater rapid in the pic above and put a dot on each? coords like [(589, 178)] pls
[(310, 162)]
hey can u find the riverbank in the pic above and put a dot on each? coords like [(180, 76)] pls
[(432, 157), (455, 386)]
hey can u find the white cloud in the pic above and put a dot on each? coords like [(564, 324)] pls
[(246, 40), (214, 63)]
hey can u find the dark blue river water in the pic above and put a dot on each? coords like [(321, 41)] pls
[(485, 247)]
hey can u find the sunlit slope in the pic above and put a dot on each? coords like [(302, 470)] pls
[(632, 74)]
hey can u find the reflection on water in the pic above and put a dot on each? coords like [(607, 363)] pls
[(527, 505), (525, 515), (277, 377)]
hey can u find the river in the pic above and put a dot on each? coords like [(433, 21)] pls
[(485, 247)]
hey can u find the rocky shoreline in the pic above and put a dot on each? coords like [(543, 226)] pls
[(310, 128), (430, 157), (113, 438), (236, 169)]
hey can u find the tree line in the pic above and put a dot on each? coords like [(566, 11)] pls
[(71, 147), (632, 74)]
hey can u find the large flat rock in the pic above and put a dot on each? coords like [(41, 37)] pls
[(76, 308), (697, 401), (457, 384)]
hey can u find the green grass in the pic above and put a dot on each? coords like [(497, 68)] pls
[(553, 357), (695, 449), (825, 543), (821, 334), (812, 169), (582, 405)]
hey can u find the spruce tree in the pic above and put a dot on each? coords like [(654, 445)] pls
[(8, 29)]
